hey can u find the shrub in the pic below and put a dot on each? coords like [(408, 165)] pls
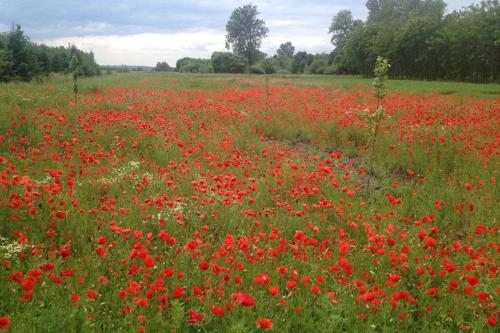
[(332, 69), (256, 69), (226, 62), (270, 65), (192, 65)]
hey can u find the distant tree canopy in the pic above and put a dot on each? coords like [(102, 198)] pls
[(245, 32), (226, 62), (300, 62), (342, 26), (420, 41), (21, 59), (193, 65), (286, 50), (163, 67)]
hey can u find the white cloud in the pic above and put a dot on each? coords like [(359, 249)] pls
[(147, 48)]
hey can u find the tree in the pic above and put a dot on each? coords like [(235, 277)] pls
[(319, 64), (284, 56), (163, 67), (226, 62), (192, 65), (43, 59), (6, 65), (22, 59), (300, 61), (341, 27), (245, 32), (269, 66), (18, 44), (286, 50)]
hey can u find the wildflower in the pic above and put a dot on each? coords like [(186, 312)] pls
[(244, 299), (178, 292), (432, 291), (195, 317), (4, 323), (273, 290), (264, 323), (217, 310), (91, 294), (204, 265)]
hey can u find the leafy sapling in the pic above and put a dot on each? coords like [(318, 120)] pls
[(73, 67), (375, 119)]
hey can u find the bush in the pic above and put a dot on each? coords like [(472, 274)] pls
[(270, 65), (332, 69), (319, 64), (192, 65), (226, 62), (256, 69), (163, 67)]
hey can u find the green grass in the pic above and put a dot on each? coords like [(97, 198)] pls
[(62, 84), (183, 153)]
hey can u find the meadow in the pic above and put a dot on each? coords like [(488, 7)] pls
[(222, 203)]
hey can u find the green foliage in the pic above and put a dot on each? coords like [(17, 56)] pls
[(421, 41), (381, 71), (163, 67), (245, 32), (192, 65), (286, 50), (226, 62), (6, 65), (270, 66), (73, 68), (284, 56), (20, 59), (300, 61), (256, 69), (318, 64), (341, 27)]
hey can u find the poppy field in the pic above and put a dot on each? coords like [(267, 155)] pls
[(171, 203)]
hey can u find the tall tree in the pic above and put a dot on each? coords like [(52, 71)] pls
[(245, 32), (342, 25), (21, 59), (18, 44), (163, 67), (421, 41), (286, 50), (300, 61)]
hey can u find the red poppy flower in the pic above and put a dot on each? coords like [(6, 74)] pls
[(4, 323), (178, 292), (264, 323), (244, 299), (195, 317), (217, 310), (273, 290), (432, 291)]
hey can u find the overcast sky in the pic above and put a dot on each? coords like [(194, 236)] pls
[(144, 32)]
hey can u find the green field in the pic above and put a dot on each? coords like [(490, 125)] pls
[(223, 203)]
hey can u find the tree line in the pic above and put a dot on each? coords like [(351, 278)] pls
[(21, 59), (420, 40), (416, 35)]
